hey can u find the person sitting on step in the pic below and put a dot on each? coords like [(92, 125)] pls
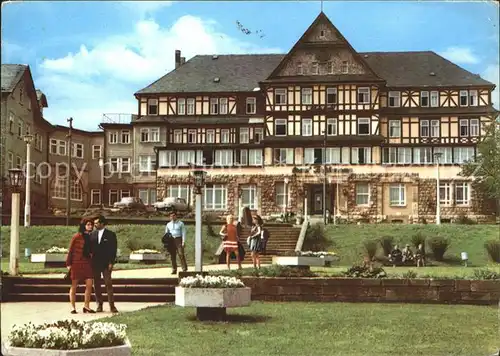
[(396, 256)]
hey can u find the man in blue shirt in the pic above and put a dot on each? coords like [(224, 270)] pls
[(177, 229)]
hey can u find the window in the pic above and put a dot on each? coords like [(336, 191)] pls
[(241, 157), (280, 96), (258, 134), (215, 197), (464, 127), (362, 193), (251, 107), (11, 122), (315, 68), (124, 193), (53, 146), (424, 99), (462, 193), (404, 155), (329, 67), (306, 96), (178, 191), (332, 155), (186, 158), (255, 157), (177, 136), (434, 99), (474, 127), (446, 154), (77, 150), (363, 95), (28, 129), (283, 156), (473, 98), (19, 128), (59, 189), (113, 196), (95, 197), (10, 162), (361, 155), (224, 158), (424, 128), (331, 127), (435, 128), (147, 163), (150, 134), (190, 106), (192, 136), (125, 165), (125, 136), (214, 106), (307, 127), (210, 136), (143, 195), (363, 126), (144, 135), (119, 165), (389, 155), (152, 194), (394, 99), (394, 128), (331, 96), (38, 142), (223, 106), (113, 137), (225, 136), (280, 127), (58, 147), (249, 196), (445, 193), (181, 107), (344, 67), (244, 135), (397, 196), (96, 151), (282, 194), (21, 95), (464, 95), (300, 69), (422, 155), (313, 155), (19, 162), (38, 175), (463, 154), (114, 164), (167, 158), (153, 107)]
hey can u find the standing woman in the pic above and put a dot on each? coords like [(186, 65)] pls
[(255, 240), (230, 240), (79, 264)]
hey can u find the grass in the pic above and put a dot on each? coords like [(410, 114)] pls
[(316, 329)]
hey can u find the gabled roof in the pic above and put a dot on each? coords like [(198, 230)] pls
[(11, 75)]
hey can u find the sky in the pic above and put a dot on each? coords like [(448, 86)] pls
[(89, 58)]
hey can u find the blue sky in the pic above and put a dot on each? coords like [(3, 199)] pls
[(91, 57)]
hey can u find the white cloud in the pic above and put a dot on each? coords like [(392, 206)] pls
[(462, 55), (103, 78), (492, 74), (145, 8)]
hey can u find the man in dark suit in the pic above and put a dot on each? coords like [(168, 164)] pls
[(104, 245)]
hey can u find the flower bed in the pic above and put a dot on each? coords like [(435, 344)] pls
[(147, 256), (57, 250), (306, 258), (69, 338), (211, 282)]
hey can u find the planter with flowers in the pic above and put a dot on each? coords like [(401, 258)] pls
[(147, 256), (306, 259), (211, 295), (69, 337), (53, 257)]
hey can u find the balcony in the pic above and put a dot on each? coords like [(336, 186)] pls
[(115, 118)]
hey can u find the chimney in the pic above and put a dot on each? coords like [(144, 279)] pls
[(177, 58), (183, 60)]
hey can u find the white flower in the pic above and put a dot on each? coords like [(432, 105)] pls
[(211, 282), (145, 251), (317, 254), (55, 249)]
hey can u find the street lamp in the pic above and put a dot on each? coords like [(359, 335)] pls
[(437, 157), (285, 198), (101, 166), (15, 183), (27, 201), (198, 183), (324, 176)]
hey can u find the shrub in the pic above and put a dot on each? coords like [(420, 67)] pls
[(365, 272), (387, 242), (493, 249), (409, 274), (463, 219), (439, 245), (485, 273), (316, 239), (133, 243), (418, 239), (271, 271), (209, 220), (370, 248)]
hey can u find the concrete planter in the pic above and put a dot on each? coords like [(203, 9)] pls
[(122, 350), (298, 261), (148, 258), (50, 259)]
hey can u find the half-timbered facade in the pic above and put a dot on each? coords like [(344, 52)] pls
[(272, 130)]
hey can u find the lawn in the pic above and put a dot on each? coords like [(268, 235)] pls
[(316, 329)]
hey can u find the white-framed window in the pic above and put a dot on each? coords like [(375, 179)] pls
[(344, 68), (19, 162), (463, 154), (225, 136), (329, 67), (424, 99), (394, 128), (422, 155), (178, 191), (147, 163), (144, 196), (404, 155), (307, 95), (150, 134), (167, 158), (389, 155), (185, 158), (181, 106), (113, 196), (434, 99), (10, 160), (313, 155), (307, 125), (282, 194), (249, 196), (244, 135), (192, 136), (96, 151), (464, 98), (258, 134), (331, 127), (435, 128), (224, 158), (255, 157), (280, 96), (191, 106), (474, 127), (394, 99), (59, 189), (363, 95), (243, 158), (210, 136), (331, 96), (362, 193), (397, 195), (113, 137), (464, 127), (300, 69), (363, 126), (152, 196), (361, 155), (53, 146), (20, 125), (177, 136), (473, 98), (223, 106), (125, 136), (11, 122), (446, 154), (152, 106), (462, 193), (214, 105), (77, 150), (124, 193), (58, 147), (424, 128), (283, 156), (445, 193), (95, 197), (114, 165), (38, 175), (38, 142), (215, 197), (280, 127), (28, 129), (251, 105), (125, 165), (332, 155), (315, 68)]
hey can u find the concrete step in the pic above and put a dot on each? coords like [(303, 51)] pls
[(63, 297), (117, 289), (116, 281)]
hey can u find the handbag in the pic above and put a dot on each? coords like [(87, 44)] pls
[(67, 276)]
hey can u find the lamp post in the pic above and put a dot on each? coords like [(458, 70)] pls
[(27, 201), (437, 157), (101, 166), (198, 183), (68, 171), (285, 199), (240, 205), (324, 177), (16, 182)]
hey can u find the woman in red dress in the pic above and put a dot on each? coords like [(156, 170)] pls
[(231, 239), (79, 264)]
